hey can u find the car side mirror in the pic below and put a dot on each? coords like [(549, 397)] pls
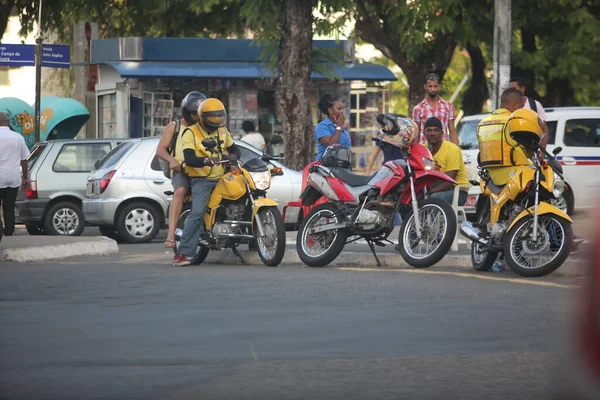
[(557, 150), (96, 164), (209, 143)]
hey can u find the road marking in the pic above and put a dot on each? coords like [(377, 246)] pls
[(464, 275)]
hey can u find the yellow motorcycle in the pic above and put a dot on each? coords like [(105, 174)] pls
[(238, 212), (518, 220)]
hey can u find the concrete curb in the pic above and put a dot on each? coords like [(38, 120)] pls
[(571, 268), (101, 246)]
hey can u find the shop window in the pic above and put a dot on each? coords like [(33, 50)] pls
[(107, 115), (582, 133)]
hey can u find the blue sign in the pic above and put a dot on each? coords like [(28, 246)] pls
[(56, 56), (22, 55), (16, 55)]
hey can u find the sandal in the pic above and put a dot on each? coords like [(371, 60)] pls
[(170, 244)]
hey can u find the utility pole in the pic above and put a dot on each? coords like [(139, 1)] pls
[(502, 35), (38, 74)]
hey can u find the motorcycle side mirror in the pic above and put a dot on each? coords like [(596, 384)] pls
[(276, 139), (557, 150), (209, 143)]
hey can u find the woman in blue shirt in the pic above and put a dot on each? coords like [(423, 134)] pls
[(331, 129)]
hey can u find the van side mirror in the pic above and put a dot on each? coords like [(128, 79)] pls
[(96, 164), (557, 150)]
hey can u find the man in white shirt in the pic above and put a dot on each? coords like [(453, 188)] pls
[(13, 152), (532, 104), (254, 138)]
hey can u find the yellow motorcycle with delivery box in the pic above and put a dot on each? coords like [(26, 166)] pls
[(238, 210), (517, 219)]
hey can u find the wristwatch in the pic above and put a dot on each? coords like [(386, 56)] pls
[(338, 128)]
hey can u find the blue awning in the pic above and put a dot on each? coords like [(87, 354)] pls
[(239, 70)]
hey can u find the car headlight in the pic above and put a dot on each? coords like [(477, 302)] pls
[(559, 186), (429, 164), (262, 180)]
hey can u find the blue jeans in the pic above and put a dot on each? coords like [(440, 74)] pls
[(448, 195), (194, 224)]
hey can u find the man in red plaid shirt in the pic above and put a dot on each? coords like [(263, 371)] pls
[(434, 106)]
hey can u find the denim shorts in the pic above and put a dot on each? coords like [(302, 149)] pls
[(180, 180)]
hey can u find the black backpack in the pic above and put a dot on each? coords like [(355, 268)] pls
[(532, 104)]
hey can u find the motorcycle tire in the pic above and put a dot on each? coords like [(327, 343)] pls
[(484, 261), (444, 245), (335, 247), (279, 230), (557, 261), (201, 251)]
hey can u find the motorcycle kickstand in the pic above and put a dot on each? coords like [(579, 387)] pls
[(373, 251), (238, 255)]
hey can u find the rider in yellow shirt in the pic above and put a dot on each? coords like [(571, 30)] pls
[(201, 165), (449, 160)]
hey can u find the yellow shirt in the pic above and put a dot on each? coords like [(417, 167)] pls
[(193, 140), (450, 158)]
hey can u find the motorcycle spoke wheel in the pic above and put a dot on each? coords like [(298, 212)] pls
[(317, 244), (533, 254), (433, 228)]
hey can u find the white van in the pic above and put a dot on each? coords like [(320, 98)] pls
[(576, 130)]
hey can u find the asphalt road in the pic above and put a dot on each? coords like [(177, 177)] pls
[(127, 329)]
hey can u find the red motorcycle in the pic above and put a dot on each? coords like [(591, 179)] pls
[(363, 207)]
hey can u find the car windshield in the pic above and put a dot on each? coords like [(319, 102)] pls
[(467, 134), (113, 157), (36, 152)]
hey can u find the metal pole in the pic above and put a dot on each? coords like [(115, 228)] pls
[(502, 36), (38, 75)]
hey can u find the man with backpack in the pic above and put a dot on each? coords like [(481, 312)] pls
[(531, 104), (170, 151)]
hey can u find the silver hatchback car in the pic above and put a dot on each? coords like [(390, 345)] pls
[(126, 192)]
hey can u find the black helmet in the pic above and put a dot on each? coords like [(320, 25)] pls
[(336, 155), (189, 106)]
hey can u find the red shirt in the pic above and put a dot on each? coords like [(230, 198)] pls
[(444, 111)]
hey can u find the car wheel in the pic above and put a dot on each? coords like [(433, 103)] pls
[(138, 223), (64, 218)]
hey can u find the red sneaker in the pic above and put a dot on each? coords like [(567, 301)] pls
[(180, 260)]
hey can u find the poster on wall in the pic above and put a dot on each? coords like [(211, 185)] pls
[(251, 101), (163, 109), (235, 101)]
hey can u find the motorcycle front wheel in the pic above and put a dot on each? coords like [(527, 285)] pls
[(319, 249), (482, 258), (271, 247), (539, 257), (201, 251), (438, 229)]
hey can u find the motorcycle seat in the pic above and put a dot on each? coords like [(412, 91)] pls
[(493, 187), (351, 178)]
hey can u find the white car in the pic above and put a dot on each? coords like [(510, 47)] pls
[(576, 130)]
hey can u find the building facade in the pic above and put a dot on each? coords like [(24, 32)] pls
[(141, 82)]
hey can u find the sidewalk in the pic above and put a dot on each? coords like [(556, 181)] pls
[(42, 248)]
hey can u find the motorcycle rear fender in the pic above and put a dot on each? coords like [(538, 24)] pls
[(543, 208), (423, 179)]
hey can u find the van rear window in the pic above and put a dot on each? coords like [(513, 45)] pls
[(114, 156)]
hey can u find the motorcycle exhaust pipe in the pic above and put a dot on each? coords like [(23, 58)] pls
[(472, 233)]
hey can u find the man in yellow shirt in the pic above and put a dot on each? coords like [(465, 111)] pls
[(449, 160), (201, 165)]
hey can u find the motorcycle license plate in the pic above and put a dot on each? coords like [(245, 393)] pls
[(471, 201)]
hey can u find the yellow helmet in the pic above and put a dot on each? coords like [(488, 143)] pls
[(212, 114), (525, 127)]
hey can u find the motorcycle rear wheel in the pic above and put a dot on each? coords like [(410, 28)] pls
[(333, 241), (430, 211)]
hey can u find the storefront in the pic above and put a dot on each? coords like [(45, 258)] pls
[(143, 80)]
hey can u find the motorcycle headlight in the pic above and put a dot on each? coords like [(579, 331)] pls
[(429, 164), (559, 186), (262, 180)]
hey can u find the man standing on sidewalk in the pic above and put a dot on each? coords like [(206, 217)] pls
[(13, 152), (434, 106), (531, 104)]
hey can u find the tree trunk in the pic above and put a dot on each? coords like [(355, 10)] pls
[(5, 9), (528, 46), (295, 61), (559, 93), (478, 91)]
